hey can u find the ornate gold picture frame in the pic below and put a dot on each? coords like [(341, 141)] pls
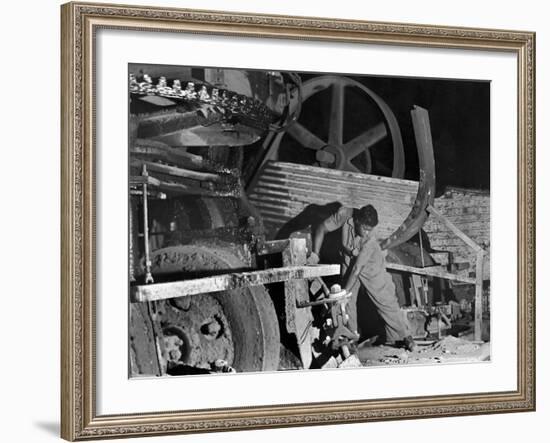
[(80, 419)]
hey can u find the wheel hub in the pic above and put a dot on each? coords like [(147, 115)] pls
[(197, 334), (328, 156)]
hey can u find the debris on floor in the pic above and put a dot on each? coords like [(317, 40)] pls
[(447, 350), (338, 362), (351, 362)]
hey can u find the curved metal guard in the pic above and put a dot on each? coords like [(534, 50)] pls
[(426, 188)]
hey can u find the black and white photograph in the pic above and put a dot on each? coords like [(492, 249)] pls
[(275, 221), (306, 220)]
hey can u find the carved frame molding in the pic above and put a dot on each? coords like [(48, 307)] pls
[(80, 21)]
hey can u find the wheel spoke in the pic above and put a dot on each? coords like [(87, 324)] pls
[(364, 141), (351, 167), (336, 124), (305, 137)]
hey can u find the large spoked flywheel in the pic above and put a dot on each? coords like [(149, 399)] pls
[(342, 125)]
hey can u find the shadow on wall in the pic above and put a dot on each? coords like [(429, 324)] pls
[(49, 427)]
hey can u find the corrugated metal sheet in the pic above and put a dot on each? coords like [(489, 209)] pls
[(284, 190)]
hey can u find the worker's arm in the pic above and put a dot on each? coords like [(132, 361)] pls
[(361, 261), (352, 277), (334, 222), (318, 238)]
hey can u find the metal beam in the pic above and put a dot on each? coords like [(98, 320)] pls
[(177, 171), (225, 282)]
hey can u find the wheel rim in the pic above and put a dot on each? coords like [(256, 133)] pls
[(239, 326), (334, 151)]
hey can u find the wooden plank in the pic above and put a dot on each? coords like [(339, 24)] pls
[(144, 180), (196, 190), (225, 282), (454, 229), (430, 272)]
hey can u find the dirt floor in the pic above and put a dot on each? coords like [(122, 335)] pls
[(447, 350)]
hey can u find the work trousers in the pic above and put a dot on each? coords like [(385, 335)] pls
[(384, 299)]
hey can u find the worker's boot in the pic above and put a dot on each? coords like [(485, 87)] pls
[(409, 344)]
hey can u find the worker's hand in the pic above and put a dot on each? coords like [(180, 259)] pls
[(313, 259)]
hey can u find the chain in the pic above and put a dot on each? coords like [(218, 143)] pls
[(227, 104)]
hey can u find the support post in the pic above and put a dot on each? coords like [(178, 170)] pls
[(148, 275), (478, 282), (298, 321), (478, 308)]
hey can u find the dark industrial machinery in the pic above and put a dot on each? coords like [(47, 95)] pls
[(190, 219), (215, 286)]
